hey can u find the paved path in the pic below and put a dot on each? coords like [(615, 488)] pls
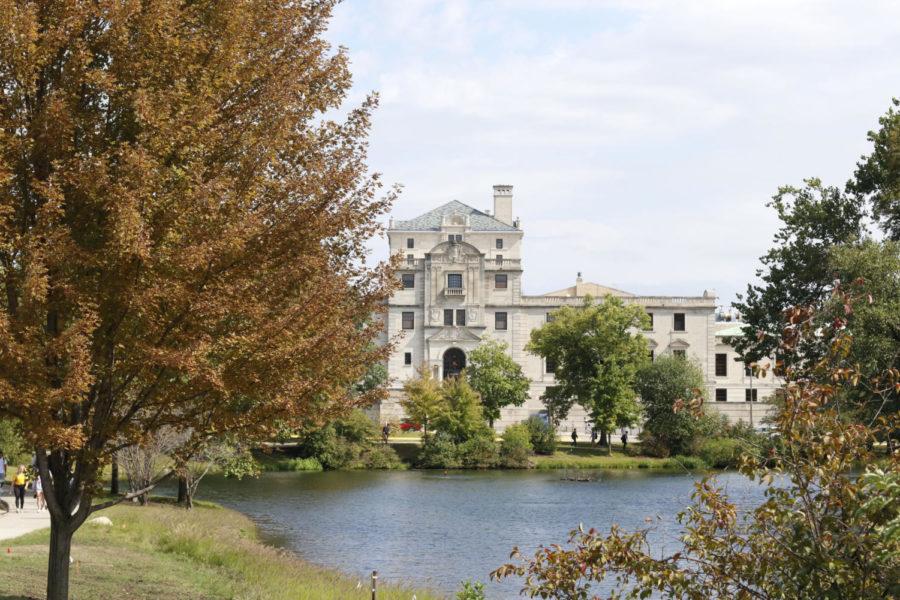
[(14, 524)]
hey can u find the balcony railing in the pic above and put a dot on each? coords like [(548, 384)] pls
[(506, 264), (454, 291)]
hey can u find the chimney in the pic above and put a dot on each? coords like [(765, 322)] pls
[(503, 203)]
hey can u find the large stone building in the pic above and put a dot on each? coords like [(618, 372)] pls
[(462, 282)]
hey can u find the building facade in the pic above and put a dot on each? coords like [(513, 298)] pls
[(461, 277)]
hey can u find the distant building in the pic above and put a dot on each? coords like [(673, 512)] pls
[(462, 282)]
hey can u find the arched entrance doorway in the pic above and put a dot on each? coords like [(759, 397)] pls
[(454, 362)]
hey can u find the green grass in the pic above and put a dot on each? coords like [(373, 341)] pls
[(161, 551), (592, 457)]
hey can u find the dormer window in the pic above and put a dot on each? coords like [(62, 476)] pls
[(454, 238)]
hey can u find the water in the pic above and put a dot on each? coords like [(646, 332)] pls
[(435, 530)]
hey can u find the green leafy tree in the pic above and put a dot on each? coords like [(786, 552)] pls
[(516, 448), (660, 385), (795, 271), (825, 531), (598, 353), (877, 176), (497, 378), (423, 399), (463, 417)]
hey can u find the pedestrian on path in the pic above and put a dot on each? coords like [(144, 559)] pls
[(39, 493), (574, 437), (624, 440), (19, 483), (2, 469)]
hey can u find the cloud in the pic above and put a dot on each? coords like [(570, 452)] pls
[(643, 138)]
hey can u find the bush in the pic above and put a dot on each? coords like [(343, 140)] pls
[(720, 453), (471, 591), (542, 435), (479, 452), (692, 463), (516, 448), (439, 452), (380, 457)]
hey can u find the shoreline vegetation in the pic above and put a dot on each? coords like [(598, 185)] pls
[(583, 456), (164, 551)]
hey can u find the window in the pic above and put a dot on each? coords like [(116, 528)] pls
[(721, 395), (679, 353), (550, 317), (448, 317), (500, 321), (652, 355), (750, 395), (499, 259), (550, 365), (407, 358), (500, 280), (410, 258), (721, 365), (409, 281), (748, 371), (499, 243), (454, 281), (410, 243), (650, 325), (409, 320), (454, 238), (460, 317), (679, 321)]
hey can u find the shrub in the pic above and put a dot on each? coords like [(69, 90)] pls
[(380, 457), (692, 463), (439, 452), (720, 453), (479, 452), (471, 591), (542, 435), (516, 448)]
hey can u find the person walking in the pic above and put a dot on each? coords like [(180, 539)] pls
[(19, 483), (39, 493), (2, 470), (593, 435), (574, 437), (624, 440)]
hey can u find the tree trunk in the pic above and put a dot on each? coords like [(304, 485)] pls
[(58, 565), (603, 440), (182, 491), (188, 498), (114, 478)]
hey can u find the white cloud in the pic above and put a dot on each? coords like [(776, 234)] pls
[(643, 138)]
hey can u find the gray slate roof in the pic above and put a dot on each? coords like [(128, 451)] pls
[(431, 221)]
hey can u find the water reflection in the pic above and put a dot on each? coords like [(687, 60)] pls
[(435, 529)]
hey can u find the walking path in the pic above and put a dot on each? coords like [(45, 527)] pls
[(14, 524)]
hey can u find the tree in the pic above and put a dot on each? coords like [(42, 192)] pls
[(423, 400), (182, 232), (795, 271), (497, 378), (872, 268), (146, 461), (597, 354), (878, 175), (824, 531), (660, 385), (463, 417)]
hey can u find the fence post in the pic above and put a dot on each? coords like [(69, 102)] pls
[(374, 585)]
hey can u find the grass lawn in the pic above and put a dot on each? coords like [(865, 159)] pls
[(161, 551), (584, 456)]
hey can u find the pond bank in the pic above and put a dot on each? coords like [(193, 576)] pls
[(162, 551)]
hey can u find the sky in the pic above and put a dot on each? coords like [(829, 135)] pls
[(643, 138)]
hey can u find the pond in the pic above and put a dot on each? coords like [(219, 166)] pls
[(435, 529)]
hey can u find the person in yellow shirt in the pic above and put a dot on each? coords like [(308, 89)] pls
[(19, 482)]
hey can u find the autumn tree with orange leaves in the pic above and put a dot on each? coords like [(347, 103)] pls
[(182, 229)]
